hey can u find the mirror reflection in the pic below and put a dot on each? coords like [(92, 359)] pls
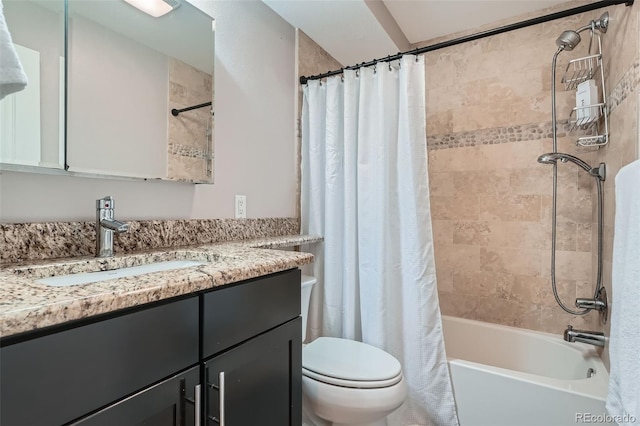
[(127, 70), (128, 67), (32, 120)]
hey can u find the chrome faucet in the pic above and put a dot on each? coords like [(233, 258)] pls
[(591, 337), (106, 225)]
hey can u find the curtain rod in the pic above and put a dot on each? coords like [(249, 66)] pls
[(176, 112), (476, 36)]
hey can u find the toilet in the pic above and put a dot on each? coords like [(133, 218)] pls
[(345, 382)]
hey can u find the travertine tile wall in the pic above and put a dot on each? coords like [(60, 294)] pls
[(190, 148), (491, 212), (622, 42), (312, 59), (488, 119)]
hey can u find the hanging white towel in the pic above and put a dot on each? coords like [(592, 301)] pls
[(12, 76), (623, 399)]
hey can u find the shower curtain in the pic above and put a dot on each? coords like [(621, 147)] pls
[(365, 189)]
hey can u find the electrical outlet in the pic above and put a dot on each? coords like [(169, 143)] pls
[(241, 206)]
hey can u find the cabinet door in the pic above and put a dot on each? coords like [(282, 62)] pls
[(258, 382), (173, 402)]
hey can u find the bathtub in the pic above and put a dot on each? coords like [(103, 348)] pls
[(506, 376)]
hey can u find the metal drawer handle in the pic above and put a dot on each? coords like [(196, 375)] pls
[(196, 401), (221, 396), (220, 388), (196, 406)]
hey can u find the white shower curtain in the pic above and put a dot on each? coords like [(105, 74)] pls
[(365, 189)]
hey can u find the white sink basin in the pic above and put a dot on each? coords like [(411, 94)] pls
[(94, 277)]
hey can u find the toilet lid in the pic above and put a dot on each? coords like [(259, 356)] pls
[(349, 360)]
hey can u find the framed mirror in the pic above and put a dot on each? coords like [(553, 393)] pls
[(126, 70), (32, 120)]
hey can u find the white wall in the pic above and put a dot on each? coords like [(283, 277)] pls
[(118, 103), (254, 136)]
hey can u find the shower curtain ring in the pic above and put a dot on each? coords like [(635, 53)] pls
[(375, 68)]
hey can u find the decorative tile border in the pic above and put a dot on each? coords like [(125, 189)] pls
[(625, 86), (189, 151), (530, 132), (496, 135), (50, 240)]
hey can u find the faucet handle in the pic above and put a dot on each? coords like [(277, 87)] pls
[(105, 203), (567, 333)]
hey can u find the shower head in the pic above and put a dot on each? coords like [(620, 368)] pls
[(553, 157), (568, 40)]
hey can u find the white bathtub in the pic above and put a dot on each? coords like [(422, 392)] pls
[(506, 376)]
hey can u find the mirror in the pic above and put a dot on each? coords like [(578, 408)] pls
[(32, 120), (126, 71)]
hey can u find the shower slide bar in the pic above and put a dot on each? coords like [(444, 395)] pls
[(476, 36)]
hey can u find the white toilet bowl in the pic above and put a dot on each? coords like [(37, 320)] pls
[(349, 406), (345, 382)]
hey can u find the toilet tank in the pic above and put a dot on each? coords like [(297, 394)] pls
[(305, 297)]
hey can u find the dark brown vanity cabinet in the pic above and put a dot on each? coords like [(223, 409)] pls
[(258, 381), (160, 364)]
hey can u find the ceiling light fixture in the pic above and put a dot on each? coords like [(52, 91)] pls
[(155, 8)]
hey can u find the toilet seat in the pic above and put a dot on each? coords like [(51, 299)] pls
[(347, 363), (351, 383)]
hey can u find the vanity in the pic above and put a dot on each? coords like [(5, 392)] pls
[(214, 344)]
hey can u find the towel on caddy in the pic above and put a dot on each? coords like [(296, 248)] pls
[(623, 399), (12, 76)]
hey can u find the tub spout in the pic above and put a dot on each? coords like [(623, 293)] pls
[(591, 337)]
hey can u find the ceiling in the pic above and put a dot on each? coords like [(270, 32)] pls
[(354, 31)]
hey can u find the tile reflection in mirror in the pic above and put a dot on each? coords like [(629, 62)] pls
[(127, 70)]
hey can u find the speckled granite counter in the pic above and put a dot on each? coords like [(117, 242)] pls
[(27, 305)]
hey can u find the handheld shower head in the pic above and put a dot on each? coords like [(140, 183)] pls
[(550, 158), (568, 40), (553, 157)]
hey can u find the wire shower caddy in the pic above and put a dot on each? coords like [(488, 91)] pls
[(590, 123)]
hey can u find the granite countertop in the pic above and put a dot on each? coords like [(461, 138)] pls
[(27, 305)]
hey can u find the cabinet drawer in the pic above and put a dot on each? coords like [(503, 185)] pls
[(234, 314), (59, 377)]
